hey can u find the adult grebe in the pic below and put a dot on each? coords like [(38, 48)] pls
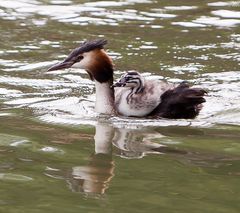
[(132, 95)]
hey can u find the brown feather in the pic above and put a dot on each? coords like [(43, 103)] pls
[(101, 66)]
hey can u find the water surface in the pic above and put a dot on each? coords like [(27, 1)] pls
[(57, 154)]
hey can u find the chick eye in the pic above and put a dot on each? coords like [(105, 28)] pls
[(127, 78)]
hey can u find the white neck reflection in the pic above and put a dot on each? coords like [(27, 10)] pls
[(93, 179)]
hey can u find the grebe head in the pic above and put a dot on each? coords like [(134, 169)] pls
[(91, 57), (130, 79)]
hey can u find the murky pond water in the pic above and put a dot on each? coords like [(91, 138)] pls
[(58, 155)]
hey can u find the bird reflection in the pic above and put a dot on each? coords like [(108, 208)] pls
[(93, 179), (135, 143)]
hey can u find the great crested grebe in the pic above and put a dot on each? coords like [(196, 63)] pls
[(132, 95)]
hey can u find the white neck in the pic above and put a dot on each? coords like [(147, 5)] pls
[(104, 98)]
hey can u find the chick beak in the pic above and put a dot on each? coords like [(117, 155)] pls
[(118, 84)]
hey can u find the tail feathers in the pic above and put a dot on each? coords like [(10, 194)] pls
[(181, 102)]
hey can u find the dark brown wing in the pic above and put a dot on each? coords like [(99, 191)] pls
[(180, 102)]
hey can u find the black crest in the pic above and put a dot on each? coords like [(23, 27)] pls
[(86, 47)]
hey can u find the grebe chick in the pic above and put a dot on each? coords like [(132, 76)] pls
[(137, 96), (132, 95)]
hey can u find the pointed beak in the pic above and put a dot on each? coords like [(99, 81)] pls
[(118, 84), (61, 65)]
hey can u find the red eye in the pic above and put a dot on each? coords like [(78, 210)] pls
[(79, 58)]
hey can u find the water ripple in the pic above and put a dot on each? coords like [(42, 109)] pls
[(218, 22), (136, 29), (14, 177), (224, 4), (182, 7), (226, 13)]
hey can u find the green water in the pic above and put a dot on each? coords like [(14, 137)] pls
[(58, 155)]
